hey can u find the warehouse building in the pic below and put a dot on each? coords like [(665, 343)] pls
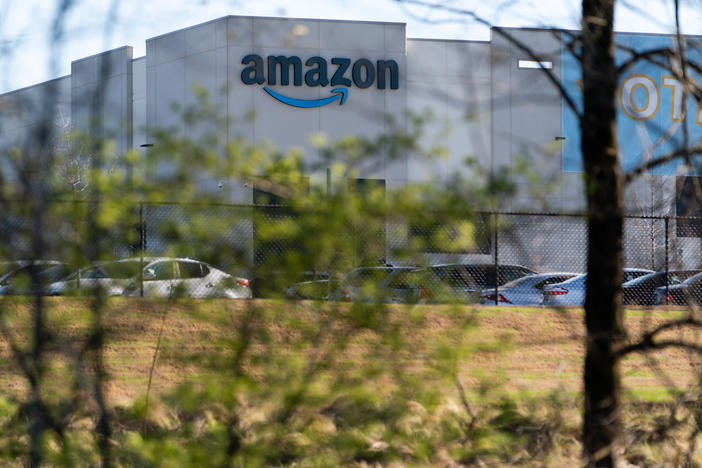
[(289, 80)]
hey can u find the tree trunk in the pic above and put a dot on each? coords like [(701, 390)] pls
[(603, 184)]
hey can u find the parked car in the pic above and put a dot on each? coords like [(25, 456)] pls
[(527, 290), (413, 286), (176, 277), (7, 267), (468, 280), (572, 292), (275, 284), (641, 290), (367, 284), (113, 277), (319, 288), (688, 291), (18, 281)]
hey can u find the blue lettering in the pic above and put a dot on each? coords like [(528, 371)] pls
[(391, 66), (357, 73), (316, 76), (285, 64), (342, 65), (253, 74)]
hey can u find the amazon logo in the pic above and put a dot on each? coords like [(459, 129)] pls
[(340, 76)]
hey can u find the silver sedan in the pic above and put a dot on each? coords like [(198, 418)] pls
[(184, 277), (526, 291)]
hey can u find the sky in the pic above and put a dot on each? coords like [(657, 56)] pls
[(29, 56)]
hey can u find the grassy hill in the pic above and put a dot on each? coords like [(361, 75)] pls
[(336, 384)]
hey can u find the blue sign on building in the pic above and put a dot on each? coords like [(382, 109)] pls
[(363, 73), (650, 111)]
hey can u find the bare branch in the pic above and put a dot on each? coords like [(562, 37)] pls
[(680, 152), (648, 55), (658, 345), (153, 366), (648, 341), (464, 402), (555, 81)]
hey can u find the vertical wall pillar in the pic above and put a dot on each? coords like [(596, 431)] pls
[(101, 97)]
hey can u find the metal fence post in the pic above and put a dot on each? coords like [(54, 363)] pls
[(666, 223), (142, 247), (497, 252), (653, 244)]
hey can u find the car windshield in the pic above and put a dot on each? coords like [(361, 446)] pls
[(631, 274), (47, 273), (54, 273), (642, 279), (678, 277), (113, 270), (405, 279), (675, 279), (121, 270), (511, 273), (539, 280), (459, 277), (6, 267), (367, 275), (517, 282), (576, 281), (693, 279)]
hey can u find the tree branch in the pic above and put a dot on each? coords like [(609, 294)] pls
[(647, 55), (678, 153), (555, 81), (648, 341), (658, 345)]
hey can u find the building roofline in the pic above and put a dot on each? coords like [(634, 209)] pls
[(469, 41), (25, 88), (102, 53), (285, 18)]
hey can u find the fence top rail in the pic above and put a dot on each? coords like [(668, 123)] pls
[(582, 215), (553, 214)]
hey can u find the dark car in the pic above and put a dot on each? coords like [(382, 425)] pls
[(469, 280), (7, 267), (640, 291), (681, 294), (19, 280), (318, 288), (366, 284), (275, 284)]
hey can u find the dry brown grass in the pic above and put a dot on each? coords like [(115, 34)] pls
[(520, 367), (523, 349)]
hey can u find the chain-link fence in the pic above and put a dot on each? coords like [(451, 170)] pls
[(273, 251)]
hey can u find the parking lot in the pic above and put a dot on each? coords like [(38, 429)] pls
[(240, 252)]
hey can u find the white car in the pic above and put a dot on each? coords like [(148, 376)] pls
[(527, 290), (572, 291), (112, 277), (184, 277)]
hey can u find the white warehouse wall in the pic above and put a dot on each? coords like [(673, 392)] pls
[(24, 110), (450, 82), (210, 56)]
